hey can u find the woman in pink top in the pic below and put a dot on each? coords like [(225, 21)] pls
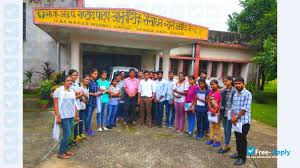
[(214, 103), (190, 104)]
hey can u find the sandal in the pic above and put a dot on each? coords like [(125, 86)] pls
[(69, 153), (63, 156)]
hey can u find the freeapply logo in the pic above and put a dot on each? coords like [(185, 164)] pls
[(253, 152)]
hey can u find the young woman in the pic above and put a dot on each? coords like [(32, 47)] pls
[(82, 112), (226, 103), (65, 110), (190, 104), (214, 103), (92, 104), (103, 85), (115, 94), (180, 89), (201, 109)]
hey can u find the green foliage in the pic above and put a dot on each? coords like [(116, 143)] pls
[(45, 89), (43, 102), (28, 78), (258, 19)]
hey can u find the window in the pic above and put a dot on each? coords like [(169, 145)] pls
[(174, 65), (225, 69), (202, 66), (24, 21), (214, 69), (237, 70)]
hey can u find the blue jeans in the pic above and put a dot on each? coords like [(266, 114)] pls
[(168, 108), (130, 105), (201, 115), (159, 112), (66, 125), (89, 115), (191, 121), (82, 121), (102, 116), (121, 110), (227, 125), (112, 111)]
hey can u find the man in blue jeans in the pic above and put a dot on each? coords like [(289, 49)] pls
[(169, 102), (161, 89)]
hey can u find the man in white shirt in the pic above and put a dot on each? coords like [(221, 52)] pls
[(169, 101), (146, 95)]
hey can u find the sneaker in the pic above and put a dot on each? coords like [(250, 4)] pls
[(100, 129), (104, 128), (83, 136), (165, 126), (171, 127), (209, 142), (224, 150), (199, 138), (109, 127), (217, 144)]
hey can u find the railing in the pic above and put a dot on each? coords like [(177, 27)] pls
[(227, 37)]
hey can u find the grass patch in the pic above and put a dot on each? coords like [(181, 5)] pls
[(31, 93), (266, 113)]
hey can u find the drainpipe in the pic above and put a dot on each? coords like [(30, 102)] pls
[(58, 55)]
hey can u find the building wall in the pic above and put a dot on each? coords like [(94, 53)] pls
[(148, 62)]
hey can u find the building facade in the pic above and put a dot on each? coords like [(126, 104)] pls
[(65, 47)]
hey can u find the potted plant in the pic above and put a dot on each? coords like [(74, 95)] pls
[(43, 103)]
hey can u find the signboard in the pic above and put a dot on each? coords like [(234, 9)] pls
[(119, 19)]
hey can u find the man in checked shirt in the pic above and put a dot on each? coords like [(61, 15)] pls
[(241, 113)]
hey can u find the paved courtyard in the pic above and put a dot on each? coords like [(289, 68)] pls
[(136, 147)]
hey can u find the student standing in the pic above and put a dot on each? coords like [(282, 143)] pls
[(103, 85), (190, 104), (92, 104), (201, 109), (180, 90), (115, 94), (226, 103), (161, 89), (82, 106), (131, 85), (170, 102), (146, 95), (154, 104), (241, 113), (65, 110), (214, 103), (121, 105)]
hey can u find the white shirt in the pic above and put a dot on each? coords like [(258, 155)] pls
[(66, 100), (171, 84), (180, 88), (146, 88)]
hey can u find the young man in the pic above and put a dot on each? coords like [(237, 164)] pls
[(131, 85), (161, 88), (154, 104), (170, 102), (241, 113), (140, 75), (146, 95), (203, 75)]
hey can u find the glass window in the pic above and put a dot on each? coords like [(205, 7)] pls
[(202, 66), (214, 69), (174, 65), (237, 70), (225, 69)]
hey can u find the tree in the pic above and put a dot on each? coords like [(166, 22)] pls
[(258, 20)]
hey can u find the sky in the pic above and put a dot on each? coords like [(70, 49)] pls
[(209, 13)]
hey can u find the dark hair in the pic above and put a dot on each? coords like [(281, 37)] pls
[(113, 80), (214, 81), (131, 70), (103, 71), (93, 70), (146, 71), (71, 71), (239, 79), (160, 72), (231, 79), (154, 73), (64, 78), (171, 72), (192, 77), (150, 71), (203, 71), (85, 75), (140, 70), (180, 73)]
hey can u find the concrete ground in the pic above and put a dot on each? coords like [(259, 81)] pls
[(136, 146)]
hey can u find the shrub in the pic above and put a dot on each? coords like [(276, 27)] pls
[(45, 89), (46, 71)]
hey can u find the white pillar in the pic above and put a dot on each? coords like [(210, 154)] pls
[(75, 55), (230, 69), (157, 57), (166, 62), (209, 68)]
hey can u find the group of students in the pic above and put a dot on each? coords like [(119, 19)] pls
[(145, 99)]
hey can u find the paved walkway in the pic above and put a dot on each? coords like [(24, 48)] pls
[(136, 146)]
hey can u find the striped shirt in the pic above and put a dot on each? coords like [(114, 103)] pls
[(242, 101), (93, 88)]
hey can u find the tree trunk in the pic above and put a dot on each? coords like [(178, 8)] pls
[(263, 81)]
